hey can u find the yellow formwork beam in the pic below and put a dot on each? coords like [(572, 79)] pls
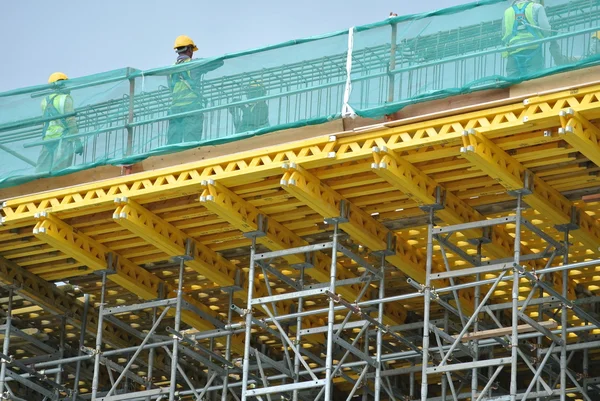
[(128, 275), (244, 216), (421, 188), (360, 226), (536, 113), (172, 241), (550, 203), (581, 134)]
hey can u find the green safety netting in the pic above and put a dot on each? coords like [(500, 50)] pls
[(123, 116)]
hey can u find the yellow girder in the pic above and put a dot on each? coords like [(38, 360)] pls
[(128, 275), (52, 298), (581, 134), (422, 189), (360, 226), (244, 216), (550, 203), (169, 239), (537, 113), (172, 241)]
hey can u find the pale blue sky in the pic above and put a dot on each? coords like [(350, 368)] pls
[(81, 37)]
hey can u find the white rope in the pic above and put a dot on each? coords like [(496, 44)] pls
[(347, 111)]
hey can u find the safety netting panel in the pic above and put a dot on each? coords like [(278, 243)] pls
[(62, 127), (466, 48), (211, 101), (123, 116)]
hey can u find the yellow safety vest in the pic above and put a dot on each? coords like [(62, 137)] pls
[(183, 93), (54, 105), (520, 27)]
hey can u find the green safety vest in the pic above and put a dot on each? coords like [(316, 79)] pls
[(182, 88), (54, 105), (520, 26)]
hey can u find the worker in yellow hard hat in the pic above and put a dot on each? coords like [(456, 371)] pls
[(186, 92), (524, 21), (253, 115), (58, 151)]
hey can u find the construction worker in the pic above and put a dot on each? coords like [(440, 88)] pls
[(254, 115), (524, 21), (58, 153), (186, 90)]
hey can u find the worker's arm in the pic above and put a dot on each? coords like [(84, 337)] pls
[(71, 121), (542, 20)]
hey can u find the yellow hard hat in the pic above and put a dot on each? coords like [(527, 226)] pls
[(184, 40), (596, 35), (57, 76)]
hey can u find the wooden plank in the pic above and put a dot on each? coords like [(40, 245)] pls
[(504, 331)]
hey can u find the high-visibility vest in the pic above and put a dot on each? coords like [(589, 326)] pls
[(54, 106), (183, 88), (520, 26)]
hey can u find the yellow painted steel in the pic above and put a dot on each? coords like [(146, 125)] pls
[(495, 130), (511, 174), (360, 226), (168, 238), (581, 134), (128, 275), (537, 113), (244, 216)]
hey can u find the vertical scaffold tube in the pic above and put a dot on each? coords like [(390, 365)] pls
[(297, 356), (563, 322), (246, 364), (427, 304), (476, 299), (175, 352), (98, 350), (331, 316), (514, 341), (379, 333), (86, 307), (6, 344), (227, 348)]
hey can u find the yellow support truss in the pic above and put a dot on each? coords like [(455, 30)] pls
[(360, 226), (128, 275), (242, 215)]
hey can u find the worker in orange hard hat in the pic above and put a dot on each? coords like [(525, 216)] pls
[(186, 92), (58, 150), (253, 115)]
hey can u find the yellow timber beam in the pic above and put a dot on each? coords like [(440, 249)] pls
[(511, 174), (171, 240), (360, 226), (581, 134), (128, 275), (421, 188), (53, 299), (536, 113), (244, 216)]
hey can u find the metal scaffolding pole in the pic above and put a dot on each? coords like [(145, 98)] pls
[(98, 349), (514, 344), (379, 332), (86, 307), (227, 348), (248, 315), (175, 352), (427, 305), (331, 315), (6, 344)]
